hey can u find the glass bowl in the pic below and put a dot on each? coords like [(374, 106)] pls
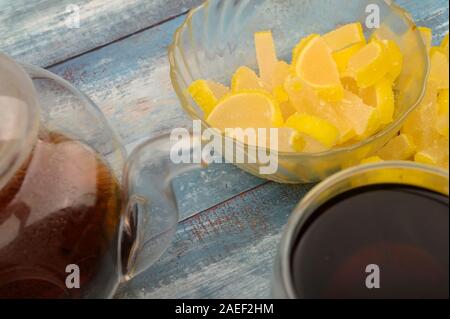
[(217, 38)]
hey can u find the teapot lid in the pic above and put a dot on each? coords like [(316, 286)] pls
[(19, 117)]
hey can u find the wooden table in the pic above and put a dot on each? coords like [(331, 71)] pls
[(231, 222)]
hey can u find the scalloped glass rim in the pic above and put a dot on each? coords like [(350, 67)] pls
[(391, 128)]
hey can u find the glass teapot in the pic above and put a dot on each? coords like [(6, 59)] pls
[(68, 227)]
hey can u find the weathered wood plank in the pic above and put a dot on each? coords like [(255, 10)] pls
[(202, 189), (37, 31), (129, 80)]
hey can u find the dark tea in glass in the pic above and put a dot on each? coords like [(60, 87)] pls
[(379, 241)]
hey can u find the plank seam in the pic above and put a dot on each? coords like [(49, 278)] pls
[(116, 40), (225, 201)]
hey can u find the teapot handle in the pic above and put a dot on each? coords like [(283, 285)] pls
[(151, 216)]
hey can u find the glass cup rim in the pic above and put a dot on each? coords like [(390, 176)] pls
[(395, 125), (303, 210)]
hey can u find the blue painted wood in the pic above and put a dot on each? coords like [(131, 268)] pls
[(223, 250), (42, 32), (129, 80), (200, 190)]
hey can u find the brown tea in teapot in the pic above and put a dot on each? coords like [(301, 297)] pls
[(61, 208)]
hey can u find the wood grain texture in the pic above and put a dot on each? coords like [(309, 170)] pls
[(36, 31), (199, 190), (429, 13), (129, 80), (219, 251)]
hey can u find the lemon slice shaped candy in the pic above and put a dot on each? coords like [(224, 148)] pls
[(245, 79), (315, 127), (345, 36), (246, 109), (316, 67), (369, 65), (301, 46), (207, 94), (343, 56)]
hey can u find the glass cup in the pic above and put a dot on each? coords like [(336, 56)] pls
[(399, 173)]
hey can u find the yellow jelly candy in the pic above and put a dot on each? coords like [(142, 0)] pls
[(311, 145), (207, 94), (266, 55), (381, 96), (305, 100), (246, 109), (289, 140), (350, 84), (287, 108), (420, 125), (425, 157), (343, 56), (245, 79), (436, 154), (442, 124), (345, 37), (400, 148), (364, 119), (395, 57), (302, 97), (369, 65), (439, 72), (316, 67), (301, 45), (280, 73), (317, 128)]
